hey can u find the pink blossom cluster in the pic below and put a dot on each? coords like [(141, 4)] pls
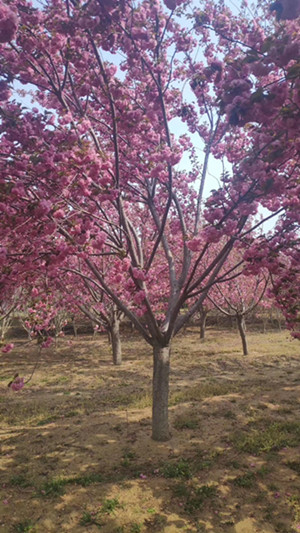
[(8, 23)]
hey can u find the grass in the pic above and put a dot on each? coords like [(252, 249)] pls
[(203, 460), (192, 496), (246, 480), (156, 523), (19, 480), (89, 519), (202, 391), (183, 422), (109, 441), (127, 458), (198, 497), (86, 480), (56, 487), (110, 505), (180, 469), (47, 420), (23, 527), (30, 414), (271, 436), (294, 501), (140, 400), (294, 465), (135, 528)]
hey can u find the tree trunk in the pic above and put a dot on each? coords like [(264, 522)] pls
[(264, 321), (116, 340), (242, 330), (203, 317), (74, 325), (161, 372)]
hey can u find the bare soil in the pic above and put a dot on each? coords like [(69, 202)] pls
[(76, 452)]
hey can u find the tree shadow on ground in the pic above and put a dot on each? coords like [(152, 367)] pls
[(76, 452)]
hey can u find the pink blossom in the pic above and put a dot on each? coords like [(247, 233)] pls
[(47, 342), (8, 23), (138, 274), (17, 384), (100, 240), (139, 297), (126, 264), (194, 245), (8, 347), (59, 214)]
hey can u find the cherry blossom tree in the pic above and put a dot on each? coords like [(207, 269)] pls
[(238, 298), (93, 303), (89, 179)]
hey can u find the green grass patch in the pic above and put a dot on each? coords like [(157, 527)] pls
[(271, 436), (127, 458), (246, 480), (294, 465), (19, 480), (180, 469), (202, 391), (90, 519), (135, 527), (140, 401), (203, 460), (54, 487), (156, 523), (110, 505), (86, 480), (294, 503), (264, 471), (198, 497), (23, 527), (184, 422), (47, 420)]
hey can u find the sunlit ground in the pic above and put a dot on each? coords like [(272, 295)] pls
[(77, 455)]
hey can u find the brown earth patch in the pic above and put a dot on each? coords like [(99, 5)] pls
[(76, 453)]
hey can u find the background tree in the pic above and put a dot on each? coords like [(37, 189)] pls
[(238, 298)]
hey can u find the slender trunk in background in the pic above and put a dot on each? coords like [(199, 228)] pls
[(203, 317), (116, 340), (74, 325), (242, 330)]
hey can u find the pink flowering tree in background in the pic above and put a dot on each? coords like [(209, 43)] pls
[(89, 173), (44, 311), (92, 302), (238, 298)]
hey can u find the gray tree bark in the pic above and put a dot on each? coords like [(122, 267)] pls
[(161, 373), (116, 340), (242, 330), (203, 317)]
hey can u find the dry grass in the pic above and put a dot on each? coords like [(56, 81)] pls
[(77, 455)]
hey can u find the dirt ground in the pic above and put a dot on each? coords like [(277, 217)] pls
[(76, 453)]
